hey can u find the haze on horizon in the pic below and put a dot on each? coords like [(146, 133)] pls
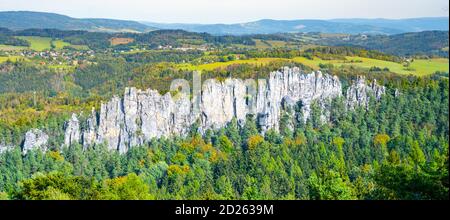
[(232, 11)]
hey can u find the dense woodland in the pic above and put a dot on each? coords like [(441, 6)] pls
[(395, 149), (407, 44)]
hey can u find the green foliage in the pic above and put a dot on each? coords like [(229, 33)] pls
[(395, 149), (130, 187)]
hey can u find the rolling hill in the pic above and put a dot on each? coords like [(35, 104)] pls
[(268, 26), (19, 20), (405, 44), (347, 26), (405, 25)]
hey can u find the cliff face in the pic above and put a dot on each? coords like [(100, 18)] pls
[(35, 138), (142, 115), (359, 93), (288, 88)]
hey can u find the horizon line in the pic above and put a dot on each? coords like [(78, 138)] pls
[(224, 23)]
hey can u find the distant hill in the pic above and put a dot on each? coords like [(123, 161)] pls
[(19, 20), (268, 26), (347, 26), (405, 25), (406, 44)]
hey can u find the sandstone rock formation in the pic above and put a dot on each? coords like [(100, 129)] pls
[(294, 86), (359, 93), (90, 132), (142, 115), (35, 138), (72, 134)]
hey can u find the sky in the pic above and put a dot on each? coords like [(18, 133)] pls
[(231, 11)]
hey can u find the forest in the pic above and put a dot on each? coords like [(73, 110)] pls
[(395, 149)]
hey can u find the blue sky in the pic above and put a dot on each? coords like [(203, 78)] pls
[(232, 11)]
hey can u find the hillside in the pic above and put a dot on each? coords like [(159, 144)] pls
[(406, 44), (406, 25), (348, 26), (19, 20), (268, 26)]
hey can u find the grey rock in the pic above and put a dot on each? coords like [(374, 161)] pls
[(360, 93), (35, 139), (89, 135), (140, 116), (110, 129), (291, 84), (72, 133)]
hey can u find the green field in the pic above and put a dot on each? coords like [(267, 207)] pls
[(417, 67), (430, 66), (44, 43), (38, 43)]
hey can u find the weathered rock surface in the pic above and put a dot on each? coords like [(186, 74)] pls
[(35, 139), (292, 85), (359, 93), (89, 134), (72, 133), (142, 115)]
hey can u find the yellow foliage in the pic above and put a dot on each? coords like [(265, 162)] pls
[(300, 140), (197, 141), (187, 146), (199, 156), (254, 141), (366, 168), (381, 139), (177, 169), (56, 155), (338, 141), (206, 148), (141, 163)]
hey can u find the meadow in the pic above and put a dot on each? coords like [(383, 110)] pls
[(419, 67), (38, 43), (42, 43)]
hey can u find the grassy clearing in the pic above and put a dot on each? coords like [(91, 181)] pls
[(38, 43), (430, 66), (418, 67)]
